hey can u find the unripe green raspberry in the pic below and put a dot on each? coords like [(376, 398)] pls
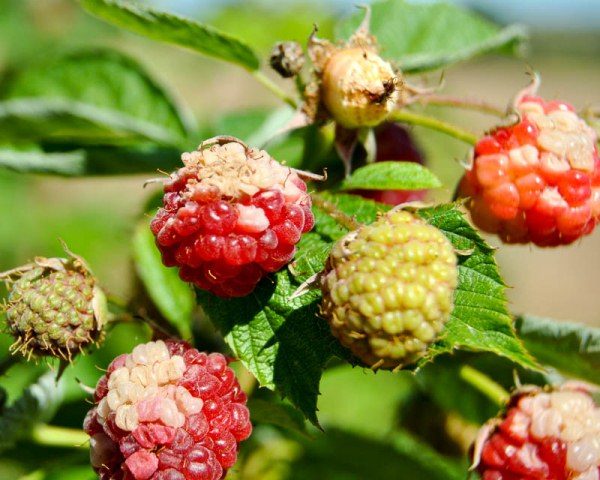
[(54, 307), (388, 289)]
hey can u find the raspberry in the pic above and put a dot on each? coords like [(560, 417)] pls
[(394, 142), (54, 307), (287, 59), (538, 180), (388, 289), (167, 411), (230, 216), (544, 435)]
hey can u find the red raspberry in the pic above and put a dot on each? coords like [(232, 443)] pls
[(231, 215), (394, 142), (167, 412), (543, 436), (538, 180)]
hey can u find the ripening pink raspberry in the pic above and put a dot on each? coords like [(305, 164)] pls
[(538, 180), (231, 215), (167, 412), (544, 435)]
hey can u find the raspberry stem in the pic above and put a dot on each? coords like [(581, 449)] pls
[(468, 104), (331, 209), (412, 118), (274, 88), (54, 436), (494, 391)]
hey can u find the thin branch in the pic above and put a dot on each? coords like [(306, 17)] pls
[(53, 436), (412, 118), (274, 88), (494, 391), (466, 103)]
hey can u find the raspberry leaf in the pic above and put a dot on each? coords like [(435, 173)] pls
[(425, 37), (480, 319), (38, 403), (392, 175), (173, 298), (108, 80), (170, 28), (281, 340), (569, 347)]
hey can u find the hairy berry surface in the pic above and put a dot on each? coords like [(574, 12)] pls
[(389, 289), (167, 412), (544, 436), (231, 215), (538, 180)]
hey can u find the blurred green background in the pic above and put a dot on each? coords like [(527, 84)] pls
[(96, 216)]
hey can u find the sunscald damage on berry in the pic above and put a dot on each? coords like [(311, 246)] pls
[(388, 289), (544, 435), (231, 215), (167, 412), (538, 180)]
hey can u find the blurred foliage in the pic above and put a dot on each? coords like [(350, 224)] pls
[(368, 419)]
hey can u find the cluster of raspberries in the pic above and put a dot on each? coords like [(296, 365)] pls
[(538, 180), (167, 412), (231, 215), (544, 435)]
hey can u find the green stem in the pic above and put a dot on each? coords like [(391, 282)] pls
[(274, 88), (412, 118), (491, 389), (447, 101), (53, 436)]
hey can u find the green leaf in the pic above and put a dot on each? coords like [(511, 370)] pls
[(173, 297), (278, 413), (173, 29), (340, 455), (480, 320), (281, 340), (34, 160), (108, 80), (61, 120), (105, 160), (428, 36), (391, 175), (572, 348), (38, 404)]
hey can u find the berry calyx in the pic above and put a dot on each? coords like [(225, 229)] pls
[(537, 180), (54, 307), (543, 435), (167, 411), (388, 289), (230, 216)]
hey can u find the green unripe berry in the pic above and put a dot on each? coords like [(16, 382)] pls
[(388, 289), (54, 307)]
